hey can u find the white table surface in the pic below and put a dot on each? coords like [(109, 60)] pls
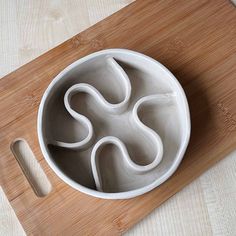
[(29, 28)]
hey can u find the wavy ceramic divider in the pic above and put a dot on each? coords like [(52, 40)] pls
[(96, 144)]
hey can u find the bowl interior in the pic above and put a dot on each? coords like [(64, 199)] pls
[(168, 117)]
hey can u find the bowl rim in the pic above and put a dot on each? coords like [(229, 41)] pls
[(130, 193)]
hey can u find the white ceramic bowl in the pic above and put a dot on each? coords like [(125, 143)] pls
[(114, 124)]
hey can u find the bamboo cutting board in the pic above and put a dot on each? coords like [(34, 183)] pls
[(196, 40)]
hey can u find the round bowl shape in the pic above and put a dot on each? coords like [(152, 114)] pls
[(114, 124)]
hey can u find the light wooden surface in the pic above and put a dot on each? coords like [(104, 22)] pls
[(205, 207)]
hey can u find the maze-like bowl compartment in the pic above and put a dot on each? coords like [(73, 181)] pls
[(114, 124)]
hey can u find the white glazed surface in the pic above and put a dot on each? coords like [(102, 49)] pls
[(114, 124)]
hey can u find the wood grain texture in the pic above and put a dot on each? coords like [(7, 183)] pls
[(9, 224), (197, 55), (205, 207), (30, 27)]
